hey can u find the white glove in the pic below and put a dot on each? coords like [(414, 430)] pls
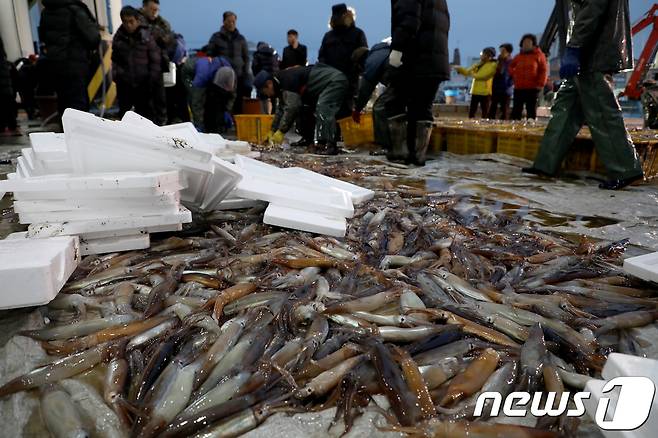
[(395, 59)]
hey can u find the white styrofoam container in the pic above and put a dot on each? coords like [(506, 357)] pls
[(49, 217), (132, 232), (98, 181), (33, 271), (237, 204), (644, 267), (225, 178), (305, 221), (359, 194), (114, 244), (21, 168), (187, 132), (49, 146), (330, 202), (100, 145), (84, 195), (622, 365), (140, 203), (108, 225)]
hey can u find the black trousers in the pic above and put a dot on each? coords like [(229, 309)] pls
[(8, 112), (138, 97), (70, 85), (177, 109), (527, 99), (499, 109), (484, 102)]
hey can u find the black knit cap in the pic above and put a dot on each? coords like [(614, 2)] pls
[(338, 10)]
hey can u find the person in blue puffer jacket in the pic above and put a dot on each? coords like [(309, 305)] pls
[(503, 85)]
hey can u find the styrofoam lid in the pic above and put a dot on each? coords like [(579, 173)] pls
[(21, 253)]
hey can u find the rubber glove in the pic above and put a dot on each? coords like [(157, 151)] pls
[(570, 63), (277, 137), (395, 59), (356, 116)]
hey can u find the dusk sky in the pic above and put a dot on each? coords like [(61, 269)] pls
[(475, 23)]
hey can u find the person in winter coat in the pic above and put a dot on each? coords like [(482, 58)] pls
[(530, 71), (503, 85), (136, 64), (230, 43), (265, 59), (8, 125), (68, 34), (420, 62), (319, 86), (373, 65), (295, 54), (338, 45), (178, 110), (600, 45), (164, 37), (482, 88)]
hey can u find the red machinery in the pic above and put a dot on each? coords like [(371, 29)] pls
[(635, 87), (639, 87)]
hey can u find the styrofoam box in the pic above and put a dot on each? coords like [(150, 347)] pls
[(187, 132), (21, 168), (99, 181), (110, 224), (132, 232), (644, 267), (622, 365), (329, 202), (45, 217), (49, 146), (100, 145), (84, 195), (237, 204), (33, 271), (51, 205), (114, 244), (225, 178), (305, 221), (359, 194)]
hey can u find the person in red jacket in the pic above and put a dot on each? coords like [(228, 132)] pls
[(529, 69)]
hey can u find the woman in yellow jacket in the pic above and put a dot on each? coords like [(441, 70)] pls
[(482, 73)]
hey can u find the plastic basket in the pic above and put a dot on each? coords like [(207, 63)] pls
[(253, 128), (647, 151), (511, 143), (581, 156), (531, 145), (357, 134), (481, 142), (457, 141), (437, 140)]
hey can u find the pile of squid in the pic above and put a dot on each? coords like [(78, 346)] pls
[(428, 302)]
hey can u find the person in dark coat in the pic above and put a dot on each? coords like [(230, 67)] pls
[(600, 46), (503, 85), (420, 62), (295, 54), (319, 86), (230, 43), (164, 37), (8, 124), (68, 33), (265, 59), (337, 48), (136, 64)]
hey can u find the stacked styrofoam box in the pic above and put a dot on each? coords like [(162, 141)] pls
[(110, 212), (33, 272), (135, 144), (299, 198)]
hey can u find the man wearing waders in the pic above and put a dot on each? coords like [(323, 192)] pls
[(318, 86), (419, 63), (600, 46), (373, 65)]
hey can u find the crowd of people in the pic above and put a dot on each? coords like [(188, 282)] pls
[(497, 82), (155, 76)]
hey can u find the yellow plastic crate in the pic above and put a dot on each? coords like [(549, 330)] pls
[(531, 145), (648, 153), (358, 134), (581, 156), (457, 141), (511, 143), (253, 128), (438, 140), (481, 142)]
